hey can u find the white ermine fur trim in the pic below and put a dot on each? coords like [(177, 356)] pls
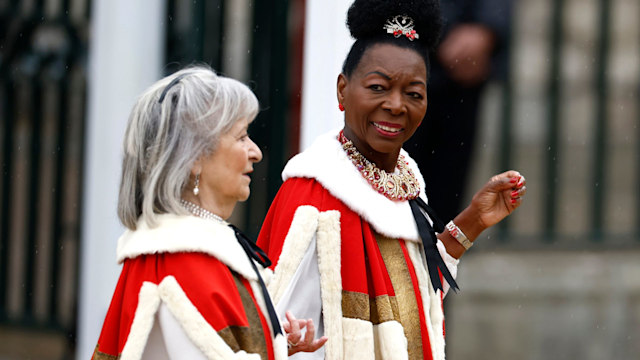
[(431, 302), (303, 229), (148, 303), (280, 350), (266, 274), (452, 265), (358, 340), (199, 331), (329, 262), (328, 163), (180, 233), (391, 341)]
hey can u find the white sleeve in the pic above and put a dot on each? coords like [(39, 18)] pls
[(302, 297), (176, 342), (451, 262)]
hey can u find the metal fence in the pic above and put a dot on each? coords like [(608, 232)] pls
[(569, 119), (42, 103), (43, 49)]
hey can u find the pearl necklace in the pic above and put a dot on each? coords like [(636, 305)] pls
[(396, 187), (200, 212)]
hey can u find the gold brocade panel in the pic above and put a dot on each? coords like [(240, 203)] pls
[(403, 307), (252, 338)]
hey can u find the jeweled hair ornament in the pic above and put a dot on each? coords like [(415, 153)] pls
[(401, 25)]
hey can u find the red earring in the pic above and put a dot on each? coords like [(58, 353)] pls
[(341, 107)]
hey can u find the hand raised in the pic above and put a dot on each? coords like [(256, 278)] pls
[(296, 343), (499, 197)]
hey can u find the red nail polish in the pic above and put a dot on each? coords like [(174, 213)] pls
[(514, 180), (514, 193), (513, 201)]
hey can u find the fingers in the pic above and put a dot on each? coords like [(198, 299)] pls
[(516, 195), (287, 326), (518, 180), (293, 322), (317, 344), (507, 180), (511, 184), (518, 190), (308, 344), (310, 333), (293, 335)]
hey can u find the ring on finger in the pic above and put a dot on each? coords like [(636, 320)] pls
[(292, 344)]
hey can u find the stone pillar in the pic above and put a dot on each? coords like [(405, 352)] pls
[(126, 54), (326, 44)]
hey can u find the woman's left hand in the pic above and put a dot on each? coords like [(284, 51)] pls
[(293, 328), (500, 196)]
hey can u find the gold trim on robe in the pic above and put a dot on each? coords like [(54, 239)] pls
[(403, 307), (396, 264), (250, 339)]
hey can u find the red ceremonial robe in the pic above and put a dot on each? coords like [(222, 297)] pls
[(377, 301), (186, 287)]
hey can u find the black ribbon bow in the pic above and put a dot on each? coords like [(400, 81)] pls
[(429, 240), (255, 253)]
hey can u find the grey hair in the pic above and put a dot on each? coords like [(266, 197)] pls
[(164, 138)]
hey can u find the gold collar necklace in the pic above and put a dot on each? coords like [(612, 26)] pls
[(396, 187)]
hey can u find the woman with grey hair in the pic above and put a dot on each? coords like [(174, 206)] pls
[(190, 286)]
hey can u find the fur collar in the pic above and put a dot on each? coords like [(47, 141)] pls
[(180, 233), (326, 162)]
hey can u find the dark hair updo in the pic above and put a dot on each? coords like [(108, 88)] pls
[(366, 20)]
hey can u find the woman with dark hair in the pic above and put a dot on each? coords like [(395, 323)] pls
[(191, 284), (350, 228)]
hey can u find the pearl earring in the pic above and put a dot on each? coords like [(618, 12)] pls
[(196, 189)]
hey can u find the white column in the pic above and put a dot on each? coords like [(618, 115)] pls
[(125, 57), (326, 44)]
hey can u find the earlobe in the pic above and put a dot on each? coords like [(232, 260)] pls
[(196, 168), (342, 83)]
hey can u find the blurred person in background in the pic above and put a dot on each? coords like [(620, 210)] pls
[(190, 287), (473, 49)]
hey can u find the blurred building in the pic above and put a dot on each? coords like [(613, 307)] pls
[(562, 279), (559, 280)]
